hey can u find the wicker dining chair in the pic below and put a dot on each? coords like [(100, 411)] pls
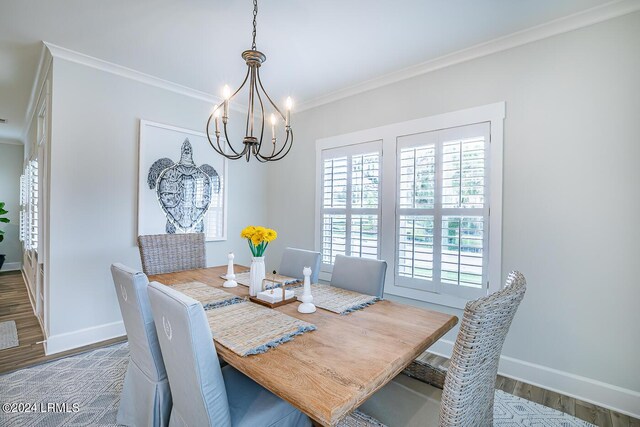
[(468, 384), (166, 253)]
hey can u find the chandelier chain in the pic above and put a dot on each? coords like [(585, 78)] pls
[(255, 14)]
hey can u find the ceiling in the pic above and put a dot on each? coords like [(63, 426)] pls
[(312, 47)]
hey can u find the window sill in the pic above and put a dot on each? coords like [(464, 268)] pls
[(415, 294), (428, 297)]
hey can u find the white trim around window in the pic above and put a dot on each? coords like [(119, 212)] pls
[(392, 139)]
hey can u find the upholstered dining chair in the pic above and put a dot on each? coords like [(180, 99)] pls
[(146, 397), (295, 260), (166, 253), (359, 274), (469, 384), (203, 393)]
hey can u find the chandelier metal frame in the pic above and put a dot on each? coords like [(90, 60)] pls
[(252, 143)]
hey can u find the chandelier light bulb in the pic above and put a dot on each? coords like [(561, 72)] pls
[(226, 92), (289, 103), (273, 119)]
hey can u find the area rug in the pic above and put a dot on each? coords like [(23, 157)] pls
[(208, 296), (93, 382), (247, 328), (510, 410), (8, 334)]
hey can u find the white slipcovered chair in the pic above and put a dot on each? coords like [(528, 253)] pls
[(295, 260), (146, 397), (359, 274), (204, 394)]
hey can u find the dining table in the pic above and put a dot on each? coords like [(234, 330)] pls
[(329, 372)]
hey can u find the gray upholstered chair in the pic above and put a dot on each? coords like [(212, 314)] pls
[(166, 253), (204, 394), (469, 385), (146, 397), (295, 260), (359, 274)]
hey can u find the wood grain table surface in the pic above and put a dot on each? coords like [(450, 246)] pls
[(329, 372)]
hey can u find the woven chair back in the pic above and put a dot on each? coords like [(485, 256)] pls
[(166, 253), (467, 398)]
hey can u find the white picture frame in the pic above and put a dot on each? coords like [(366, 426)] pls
[(156, 141)]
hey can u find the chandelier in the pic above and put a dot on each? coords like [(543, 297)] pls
[(259, 102)]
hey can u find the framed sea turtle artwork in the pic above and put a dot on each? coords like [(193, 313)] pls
[(182, 183)]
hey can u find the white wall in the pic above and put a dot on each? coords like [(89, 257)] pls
[(571, 198), (94, 166), (11, 159)]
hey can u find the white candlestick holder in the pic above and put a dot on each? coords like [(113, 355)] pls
[(230, 276), (307, 305)]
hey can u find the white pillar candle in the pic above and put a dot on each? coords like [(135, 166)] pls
[(289, 105)]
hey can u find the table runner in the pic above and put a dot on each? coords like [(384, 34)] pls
[(247, 328), (243, 279), (337, 300), (208, 296)]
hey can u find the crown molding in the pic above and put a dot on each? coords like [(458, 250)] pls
[(129, 73), (549, 29), (562, 25), (36, 89), (10, 141)]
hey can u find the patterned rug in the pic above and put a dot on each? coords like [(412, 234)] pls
[(8, 334), (86, 389), (91, 381)]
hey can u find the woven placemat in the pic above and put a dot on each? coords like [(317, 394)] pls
[(247, 328), (337, 300), (8, 334), (273, 280), (208, 296)]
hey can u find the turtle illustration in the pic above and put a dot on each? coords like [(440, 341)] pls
[(184, 190)]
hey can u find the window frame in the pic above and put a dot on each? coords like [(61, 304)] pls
[(494, 114), (437, 138), (349, 150)]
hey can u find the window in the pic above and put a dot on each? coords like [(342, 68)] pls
[(431, 207), (23, 205), (350, 206), (442, 214), (29, 206)]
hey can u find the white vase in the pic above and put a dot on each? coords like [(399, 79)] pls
[(256, 275)]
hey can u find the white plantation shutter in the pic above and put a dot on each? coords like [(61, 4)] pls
[(350, 205), (34, 205), (442, 211), (23, 207)]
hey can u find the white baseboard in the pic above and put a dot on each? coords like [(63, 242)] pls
[(589, 390), (11, 266), (61, 342)]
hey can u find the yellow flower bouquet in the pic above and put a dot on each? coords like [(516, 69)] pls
[(258, 238)]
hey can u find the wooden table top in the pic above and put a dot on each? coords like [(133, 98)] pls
[(329, 372)]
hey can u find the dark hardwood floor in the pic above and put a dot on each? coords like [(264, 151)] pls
[(15, 305)]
